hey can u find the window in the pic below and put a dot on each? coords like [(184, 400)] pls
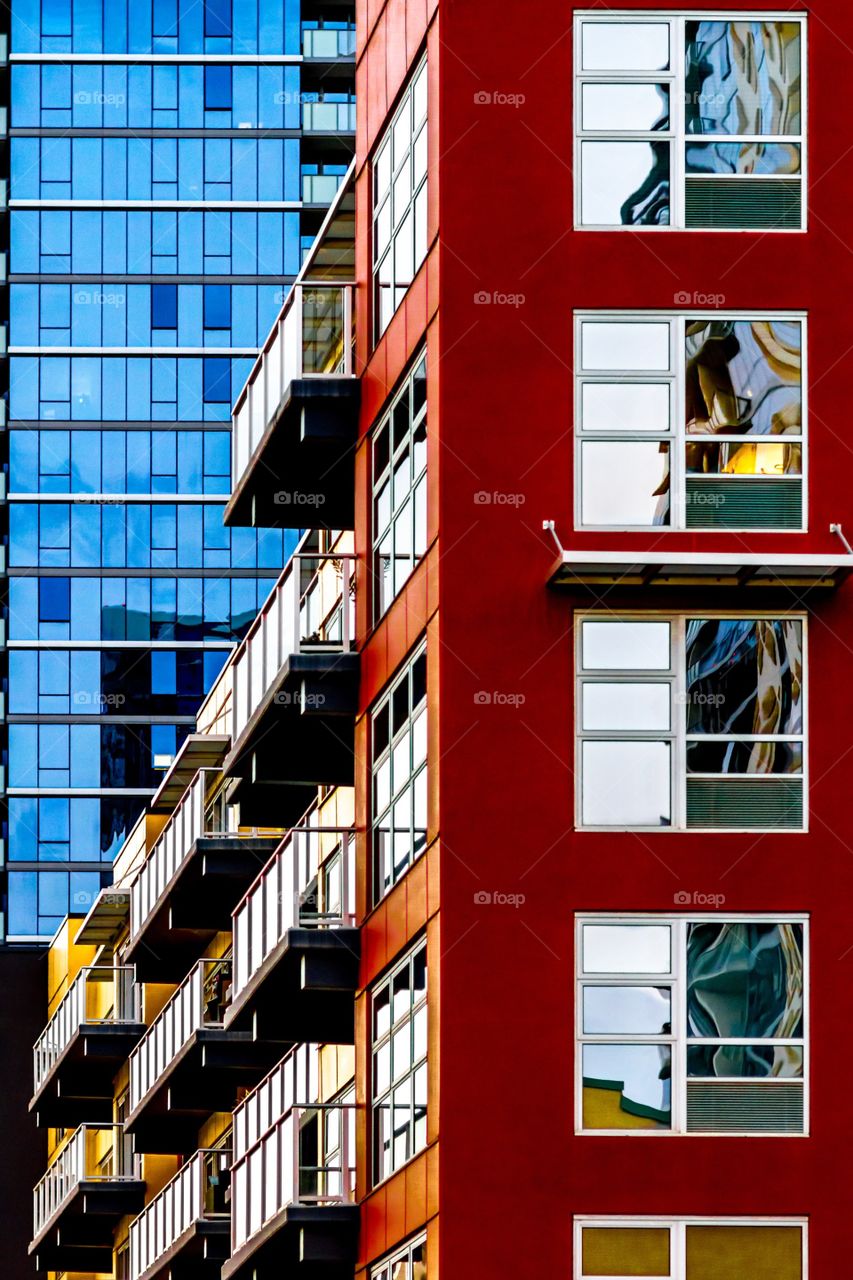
[(217, 88), (400, 202), (399, 1051), (690, 1025), (689, 421), (691, 1248), (399, 768), (399, 490), (691, 722), (689, 122), (164, 306), (408, 1263)]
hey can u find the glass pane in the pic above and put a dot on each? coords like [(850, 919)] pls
[(742, 77), (745, 757), (626, 784), (625, 482), (625, 184), (625, 46), (743, 377), (766, 1060), (626, 948), (625, 1251), (626, 1083), (619, 406), (629, 345), (744, 676), (741, 158), (744, 459), (641, 1011), (635, 108), (732, 1252), (625, 646), (745, 979), (626, 707)]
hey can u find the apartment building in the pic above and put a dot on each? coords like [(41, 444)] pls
[(491, 918)]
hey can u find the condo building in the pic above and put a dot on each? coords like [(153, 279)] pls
[(487, 919)]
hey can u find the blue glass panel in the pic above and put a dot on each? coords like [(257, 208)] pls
[(164, 306), (217, 88)]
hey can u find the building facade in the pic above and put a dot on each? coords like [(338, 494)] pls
[(168, 165), (491, 918)]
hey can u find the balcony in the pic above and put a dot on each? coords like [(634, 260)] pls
[(295, 422), (94, 1028), (329, 115), (295, 692), (187, 1065), (92, 1183), (189, 884), (292, 1181), (321, 188), (328, 44), (296, 947), (185, 1230)]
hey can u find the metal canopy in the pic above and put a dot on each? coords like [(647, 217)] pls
[(659, 568), (197, 751)]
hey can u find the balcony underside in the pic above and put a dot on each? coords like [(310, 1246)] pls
[(590, 569), (317, 1241), (197, 904), (305, 989), (79, 1236), (303, 470), (198, 1254), (301, 736), (79, 1087), (203, 1077)]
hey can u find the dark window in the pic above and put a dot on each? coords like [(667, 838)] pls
[(217, 380), (217, 88), (164, 306), (54, 600), (217, 17), (217, 306)]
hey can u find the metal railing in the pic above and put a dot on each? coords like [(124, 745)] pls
[(96, 997), (328, 117), (312, 336), (199, 1002), (307, 1156), (95, 1153), (307, 883), (328, 42), (198, 1192), (311, 610)]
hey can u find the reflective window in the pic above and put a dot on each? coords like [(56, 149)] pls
[(87, 757), (400, 202), (408, 1263), (692, 722), (399, 1064), (119, 462), (691, 1025), (400, 489), (399, 771), (732, 158), (691, 1249), (689, 422), (40, 900)]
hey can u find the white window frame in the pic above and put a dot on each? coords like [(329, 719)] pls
[(676, 676), (384, 1100), (675, 134), (678, 1237), (677, 436), (676, 980), (398, 787), (388, 1263)]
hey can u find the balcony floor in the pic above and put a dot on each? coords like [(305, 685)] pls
[(79, 1087), (198, 1254), (316, 1241), (79, 1236)]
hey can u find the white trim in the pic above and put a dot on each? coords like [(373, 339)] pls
[(275, 206), (78, 499), (140, 59), (250, 353)]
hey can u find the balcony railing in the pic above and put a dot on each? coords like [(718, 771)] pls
[(308, 883), (327, 42), (96, 997), (198, 1004), (311, 610), (312, 336), (328, 117), (321, 188), (198, 1192), (95, 1153)]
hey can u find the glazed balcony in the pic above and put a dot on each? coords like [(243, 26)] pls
[(185, 1230), (296, 945), (94, 1028), (328, 44), (295, 692), (331, 114), (92, 1182), (189, 884), (293, 1209), (187, 1065), (294, 423)]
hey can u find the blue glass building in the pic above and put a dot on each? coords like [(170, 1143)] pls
[(168, 162)]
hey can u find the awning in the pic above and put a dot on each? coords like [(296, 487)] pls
[(660, 568), (197, 751)]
